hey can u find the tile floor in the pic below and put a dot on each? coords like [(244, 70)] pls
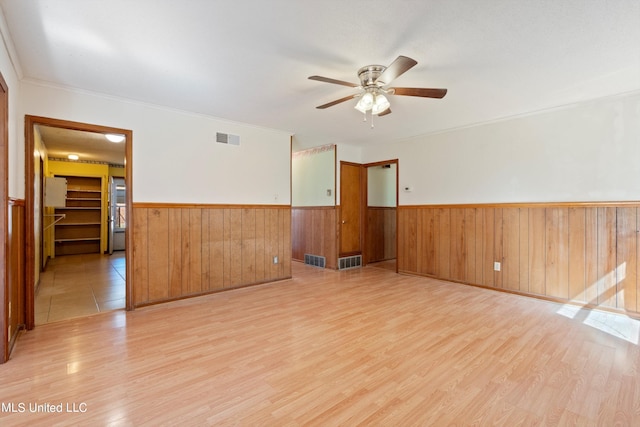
[(80, 285)]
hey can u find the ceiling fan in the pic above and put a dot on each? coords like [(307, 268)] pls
[(374, 85)]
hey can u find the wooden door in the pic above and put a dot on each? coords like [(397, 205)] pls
[(350, 208)]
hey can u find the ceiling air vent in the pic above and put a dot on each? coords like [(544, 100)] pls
[(227, 138)]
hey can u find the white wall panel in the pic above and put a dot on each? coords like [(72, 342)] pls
[(175, 156), (584, 152)]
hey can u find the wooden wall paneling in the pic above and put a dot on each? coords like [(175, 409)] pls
[(470, 245), (488, 248), (498, 242), (402, 239), (428, 234), (260, 245), (279, 267), (537, 251), (577, 254), (421, 238), (591, 255), (607, 256), (140, 256), (296, 236), (273, 240), (285, 259), (458, 247), (187, 247), (370, 237), (380, 236), (158, 228), (226, 239), (249, 246), (205, 249), (411, 237), (557, 256), (320, 225), (390, 233), (331, 239), (307, 232), (524, 249), (479, 249), (234, 245), (216, 252), (195, 251), (15, 287), (626, 258), (175, 253), (313, 231), (511, 248), (443, 263)]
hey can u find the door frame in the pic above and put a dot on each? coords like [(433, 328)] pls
[(4, 220), (30, 122)]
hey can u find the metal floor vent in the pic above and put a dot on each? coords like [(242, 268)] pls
[(315, 260), (350, 262)]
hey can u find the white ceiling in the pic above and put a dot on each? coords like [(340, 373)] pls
[(89, 146), (248, 61)]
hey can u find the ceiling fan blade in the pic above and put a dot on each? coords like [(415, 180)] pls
[(334, 81), (337, 101), (419, 91), (385, 112), (398, 67)]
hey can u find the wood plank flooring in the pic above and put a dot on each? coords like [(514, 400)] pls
[(357, 347)]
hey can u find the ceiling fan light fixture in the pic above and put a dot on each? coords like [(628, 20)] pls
[(365, 103), (114, 137), (381, 104)]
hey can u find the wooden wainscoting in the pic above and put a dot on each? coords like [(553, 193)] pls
[(584, 253), (314, 231), (188, 250), (380, 238), (15, 270)]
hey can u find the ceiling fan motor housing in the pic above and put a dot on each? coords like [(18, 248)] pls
[(369, 74)]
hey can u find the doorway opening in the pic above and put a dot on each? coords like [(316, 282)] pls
[(381, 214), (74, 265)]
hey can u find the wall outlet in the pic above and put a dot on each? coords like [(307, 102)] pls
[(275, 259), (496, 266)]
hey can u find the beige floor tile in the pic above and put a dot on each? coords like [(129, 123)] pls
[(80, 285), (116, 304)]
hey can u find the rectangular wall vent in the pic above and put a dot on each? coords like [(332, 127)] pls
[(227, 138), (350, 262), (315, 260)]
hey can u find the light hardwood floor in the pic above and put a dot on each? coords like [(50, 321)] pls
[(327, 348), (80, 285)]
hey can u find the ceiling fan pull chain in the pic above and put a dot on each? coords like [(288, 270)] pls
[(372, 120)]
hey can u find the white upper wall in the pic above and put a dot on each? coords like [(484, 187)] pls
[(313, 177), (381, 186), (175, 156), (16, 151), (584, 152)]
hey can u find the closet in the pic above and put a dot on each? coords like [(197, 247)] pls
[(78, 230)]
